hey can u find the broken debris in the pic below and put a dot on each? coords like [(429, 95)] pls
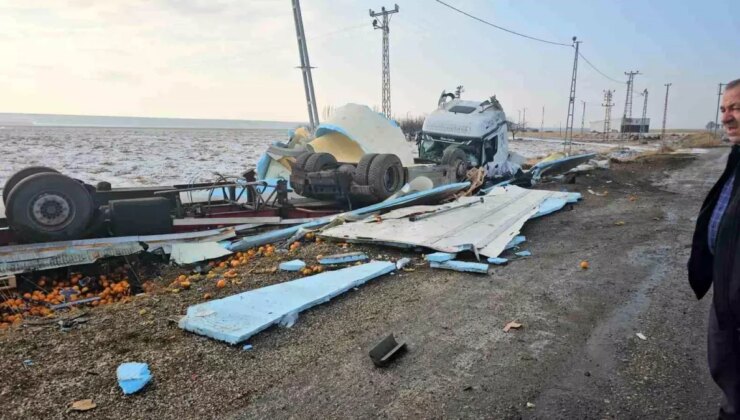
[(236, 318), (464, 266), (133, 376), (387, 350), (440, 257), (293, 265), (343, 258)]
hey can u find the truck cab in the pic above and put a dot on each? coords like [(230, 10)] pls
[(471, 133)]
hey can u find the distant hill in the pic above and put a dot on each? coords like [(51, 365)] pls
[(51, 120)]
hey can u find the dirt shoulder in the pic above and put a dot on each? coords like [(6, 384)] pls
[(577, 355)]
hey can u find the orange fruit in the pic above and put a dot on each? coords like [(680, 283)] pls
[(207, 296), (181, 278), (221, 284), (234, 263), (584, 265), (27, 296)]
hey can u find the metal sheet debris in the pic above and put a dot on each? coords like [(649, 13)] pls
[(17, 259), (464, 266), (343, 258), (498, 261), (190, 253), (487, 227), (440, 257), (281, 234), (236, 318)]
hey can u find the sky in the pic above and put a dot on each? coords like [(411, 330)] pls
[(237, 59)]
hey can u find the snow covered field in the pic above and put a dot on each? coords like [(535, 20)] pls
[(134, 157), (158, 156)]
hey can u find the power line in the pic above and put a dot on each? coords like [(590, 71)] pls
[(502, 28), (599, 71)]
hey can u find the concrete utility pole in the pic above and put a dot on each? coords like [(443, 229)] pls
[(608, 113), (665, 112), (716, 114), (572, 101), (313, 114), (519, 117), (628, 101), (386, 16), (644, 109), (583, 117)]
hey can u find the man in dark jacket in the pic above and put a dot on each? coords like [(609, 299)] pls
[(715, 260)]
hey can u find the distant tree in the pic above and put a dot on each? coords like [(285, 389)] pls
[(711, 126), (513, 128)]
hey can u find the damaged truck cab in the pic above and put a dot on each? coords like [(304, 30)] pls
[(464, 134)]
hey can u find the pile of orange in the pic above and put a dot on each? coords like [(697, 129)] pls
[(51, 291)]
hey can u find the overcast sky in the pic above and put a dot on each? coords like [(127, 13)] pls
[(236, 59)]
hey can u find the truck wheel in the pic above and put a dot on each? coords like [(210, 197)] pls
[(49, 207), (363, 169), (21, 175), (300, 161), (385, 176), (456, 159), (319, 161)]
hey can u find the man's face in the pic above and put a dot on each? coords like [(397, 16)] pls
[(730, 110)]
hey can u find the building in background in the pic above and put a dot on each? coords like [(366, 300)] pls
[(620, 125)]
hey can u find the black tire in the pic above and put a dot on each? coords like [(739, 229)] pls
[(363, 169), (457, 160), (49, 207), (385, 176), (320, 161), (300, 161), (21, 175)]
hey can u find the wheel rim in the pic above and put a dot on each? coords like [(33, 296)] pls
[(51, 210), (460, 171)]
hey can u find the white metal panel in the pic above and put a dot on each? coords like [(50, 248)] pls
[(485, 227)]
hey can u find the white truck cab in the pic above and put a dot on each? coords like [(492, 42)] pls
[(477, 129)]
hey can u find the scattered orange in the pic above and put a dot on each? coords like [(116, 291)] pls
[(221, 284)]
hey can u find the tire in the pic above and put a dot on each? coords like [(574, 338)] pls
[(385, 176), (300, 161), (457, 160), (319, 161), (21, 175), (363, 169), (49, 206)]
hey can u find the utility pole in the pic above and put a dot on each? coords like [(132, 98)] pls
[(386, 16), (665, 112), (542, 123), (608, 113), (583, 117), (644, 109), (519, 117), (524, 119), (572, 101), (313, 114), (716, 114), (628, 101)]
